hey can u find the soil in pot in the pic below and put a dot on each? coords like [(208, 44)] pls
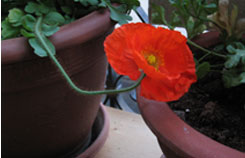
[(215, 111)]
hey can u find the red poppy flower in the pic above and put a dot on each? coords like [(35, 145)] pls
[(162, 54)]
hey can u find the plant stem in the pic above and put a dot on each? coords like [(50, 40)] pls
[(39, 36), (208, 52)]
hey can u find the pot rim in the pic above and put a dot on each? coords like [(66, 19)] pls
[(86, 28), (178, 135)]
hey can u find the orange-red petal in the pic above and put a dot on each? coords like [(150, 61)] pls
[(170, 70)]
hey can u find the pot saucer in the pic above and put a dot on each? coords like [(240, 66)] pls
[(100, 131)]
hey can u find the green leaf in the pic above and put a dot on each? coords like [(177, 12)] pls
[(242, 77), (241, 53), (158, 15), (93, 2), (237, 55), (175, 20), (233, 77), (190, 27), (202, 69), (31, 7), (120, 17), (87, 2), (232, 61), (36, 8), (239, 45), (231, 49), (210, 6), (8, 31), (38, 49), (102, 4), (27, 34), (49, 30), (54, 18), (28, 22), (130, 3), (117, 14), (15, 16)]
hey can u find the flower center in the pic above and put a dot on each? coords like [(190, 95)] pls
[(152, 60)]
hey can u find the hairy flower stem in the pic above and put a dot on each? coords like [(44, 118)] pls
[(208, 52), (39, 36)]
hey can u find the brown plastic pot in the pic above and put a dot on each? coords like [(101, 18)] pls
[(41, 115), (176, 138), (100, 132)]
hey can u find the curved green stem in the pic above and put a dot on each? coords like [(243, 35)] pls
[(39, 36), (208, 52)]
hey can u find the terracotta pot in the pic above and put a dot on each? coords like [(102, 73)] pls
[(176, 138), (41, 115)]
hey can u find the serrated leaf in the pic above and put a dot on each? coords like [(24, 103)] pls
[(202, 69), (102, 4), (15, 16), (49, 30), (38, 49), (232, 78), (28, 22), (8, 31), (118, 16), (43, 8), (232, 61), (37, 8), (231, 49), (242, 77), (54, 18), (237, 55), (239, 45), (31, 7), (27, 34)]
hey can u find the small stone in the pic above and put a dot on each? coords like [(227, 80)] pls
[(187, 110)]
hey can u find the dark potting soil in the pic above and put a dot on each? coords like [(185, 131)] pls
[(215, 111)]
